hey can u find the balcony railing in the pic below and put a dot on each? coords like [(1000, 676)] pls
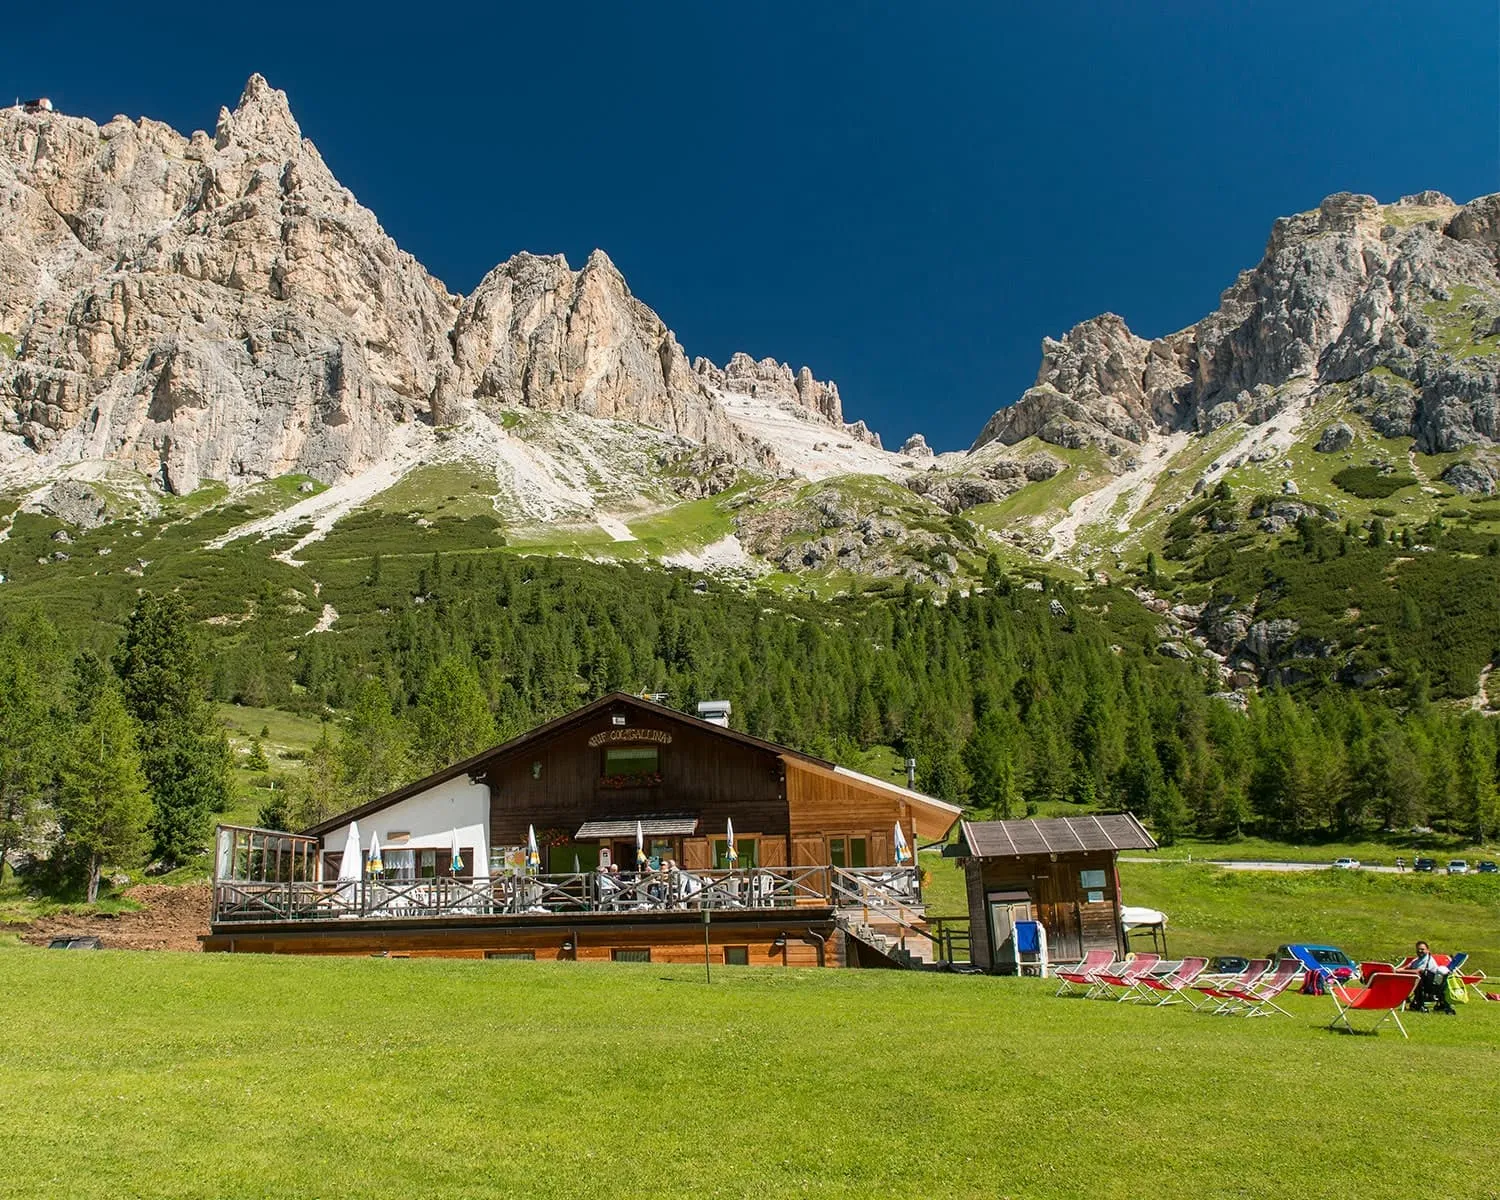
[(756, 888)]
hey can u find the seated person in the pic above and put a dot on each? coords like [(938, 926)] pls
[(1433, 986)]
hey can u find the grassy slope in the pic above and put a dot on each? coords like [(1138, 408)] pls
[(1372, 916), (214, 1076)]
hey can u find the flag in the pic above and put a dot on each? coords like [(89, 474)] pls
[(533, 855), (374, 853), (903, 851), (732, 854)]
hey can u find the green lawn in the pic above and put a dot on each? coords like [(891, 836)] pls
[(1211, 910), (171, 1075)]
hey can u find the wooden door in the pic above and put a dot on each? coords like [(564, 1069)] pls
[(696, 855), (809, 850)]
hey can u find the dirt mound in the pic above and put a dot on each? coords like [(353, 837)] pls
[(172, 919)]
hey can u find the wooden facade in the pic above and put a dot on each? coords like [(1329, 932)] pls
[(582, 783), (1060, 872)]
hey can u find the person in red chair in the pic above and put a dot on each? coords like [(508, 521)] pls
[(1433, 989)]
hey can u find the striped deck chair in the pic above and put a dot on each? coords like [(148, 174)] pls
[(1258, 999), (1217, 989), (1173, 988), (1385, 994), (1118, 981), (1078, 977)]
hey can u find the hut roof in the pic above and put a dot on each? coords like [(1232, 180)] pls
[(1051, 835)]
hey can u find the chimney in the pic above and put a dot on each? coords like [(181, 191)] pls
[(715, 712)]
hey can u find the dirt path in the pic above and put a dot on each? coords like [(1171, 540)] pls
[(172, 919)]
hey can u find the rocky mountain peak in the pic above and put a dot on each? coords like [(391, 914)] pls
[(262, 120), (222, 308), (1409, 288)]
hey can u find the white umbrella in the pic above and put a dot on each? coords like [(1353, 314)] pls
[(375, 863), (349, 864), (456, 854), (903, 851), (533, 855), (732, 855), (640, 844)]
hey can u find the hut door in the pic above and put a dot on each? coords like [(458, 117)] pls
[(1005, 909)]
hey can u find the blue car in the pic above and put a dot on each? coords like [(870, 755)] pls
[(1325, 960)]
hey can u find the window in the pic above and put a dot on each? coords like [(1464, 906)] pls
[(749, 852), (736, 956), (427, 864), (518, 955), (1090, 879), (633, 955), (632, 763), (847, 852), (400, 865)]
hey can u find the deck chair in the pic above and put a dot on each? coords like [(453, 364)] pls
[(1258, 999), (1367, 969), (1217, 988), (1078, 977), (1173, 988), (1121, 977), (1384, 994)]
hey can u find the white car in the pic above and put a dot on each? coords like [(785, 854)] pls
[(1346, 864), (1458, 867)]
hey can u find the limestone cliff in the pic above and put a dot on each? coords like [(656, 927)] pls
[(1400, 303)]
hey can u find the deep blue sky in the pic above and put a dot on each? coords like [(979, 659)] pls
[(905, 197)]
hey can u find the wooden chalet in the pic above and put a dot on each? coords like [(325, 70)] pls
[(1059, 871), (814, 879)]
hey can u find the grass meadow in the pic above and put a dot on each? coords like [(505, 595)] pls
[(170, 1075)]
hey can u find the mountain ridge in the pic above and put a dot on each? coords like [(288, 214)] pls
[(180, 312)]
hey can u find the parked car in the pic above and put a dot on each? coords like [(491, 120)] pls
[(1346, 864), (1229, 964), (1458, 866), (1327, 960), (1489, 868), (1423, 864)]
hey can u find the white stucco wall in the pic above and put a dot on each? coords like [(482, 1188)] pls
[(430, 817)]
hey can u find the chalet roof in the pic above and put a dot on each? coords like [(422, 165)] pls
[(1051, 835), (476, 764), (624, 827)]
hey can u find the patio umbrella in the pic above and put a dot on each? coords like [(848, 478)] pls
[(349, 864), (577, 867), (903, 851), (456, 855), (732, 855), (533, 855), (640, 844), (375, 864)]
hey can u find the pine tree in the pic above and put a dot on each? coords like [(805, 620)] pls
[(27, 746), (374, 755), (103, 806), (183, 750), (318, 792), (453, 718)]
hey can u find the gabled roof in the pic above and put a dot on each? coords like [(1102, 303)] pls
[(586, 713), (1051, 835)]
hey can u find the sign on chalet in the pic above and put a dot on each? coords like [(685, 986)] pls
[(630, 805)]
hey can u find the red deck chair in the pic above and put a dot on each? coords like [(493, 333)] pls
[(1173, 988), (1385, 994), (1258, 999), (1368, 969), (1217, 990), (1079, 977), (1121, 977)]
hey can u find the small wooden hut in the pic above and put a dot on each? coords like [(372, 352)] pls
[(1060, 871)]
